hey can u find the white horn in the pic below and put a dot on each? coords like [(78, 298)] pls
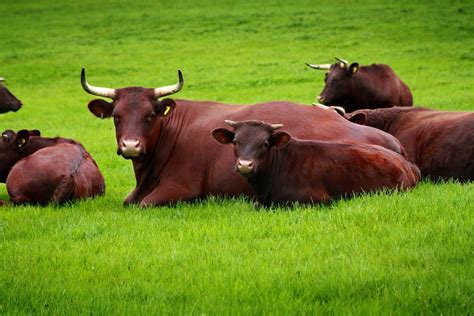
[(230, 123), (345, 62), (101, 92), (167, 90), (274, 127), (319, 67)]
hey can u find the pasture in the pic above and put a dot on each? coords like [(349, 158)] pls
[(406, 252)]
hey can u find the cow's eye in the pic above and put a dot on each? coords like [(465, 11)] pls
[(267, 143), (150, 117), (116, 119)]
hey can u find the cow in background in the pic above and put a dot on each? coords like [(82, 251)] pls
[(43, 170), (8, 102), (441, 143), (362, 87)]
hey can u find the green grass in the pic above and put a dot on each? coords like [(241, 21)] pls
[(400, 253)]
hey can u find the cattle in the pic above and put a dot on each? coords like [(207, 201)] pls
[(173, 153), (441, 143), (42, 170), (282, 169), (362, 87), (8, 102)]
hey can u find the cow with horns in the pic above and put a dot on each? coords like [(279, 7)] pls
[(355, 87), (8, 102), (174, 156)]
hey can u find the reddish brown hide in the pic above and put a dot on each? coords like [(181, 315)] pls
[(44, 170), (363, 87), (174, 155), (441, 143), (8, 102), (283, 170)]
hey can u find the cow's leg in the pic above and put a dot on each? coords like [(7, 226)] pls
[(169, 193)]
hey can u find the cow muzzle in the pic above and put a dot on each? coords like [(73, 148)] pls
[(245, 167), (130, 148)]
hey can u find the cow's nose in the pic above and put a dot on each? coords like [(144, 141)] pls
[(320, 98), (245, 166), (130, 147)]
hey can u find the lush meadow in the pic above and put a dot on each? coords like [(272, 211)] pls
[(409, 252)]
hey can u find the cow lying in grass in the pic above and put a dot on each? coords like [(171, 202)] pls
[(282, 170), (42, 170), (441, 143)]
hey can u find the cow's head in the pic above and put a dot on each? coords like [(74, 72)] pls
[(136, 112), (252, 142), (8, 102), (338, 80), (12, 148)]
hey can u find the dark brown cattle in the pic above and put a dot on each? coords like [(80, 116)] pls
[(8, 102), (173, 153), (43, 170), (282, 169), (441, 143), (362, 87)]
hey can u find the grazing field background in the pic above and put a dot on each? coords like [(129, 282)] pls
[(408, 252)]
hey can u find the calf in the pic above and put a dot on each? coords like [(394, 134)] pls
[(282, 170), (441, 143), (8, 102), (362, 87), (43, 170)]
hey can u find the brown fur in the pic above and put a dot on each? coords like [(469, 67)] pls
[(441, 143), (288, 170)]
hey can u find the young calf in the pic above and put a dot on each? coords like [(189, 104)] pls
[(43, 170), (282, 170), (441, 143)]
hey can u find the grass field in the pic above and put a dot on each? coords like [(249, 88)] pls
[(398, 253)]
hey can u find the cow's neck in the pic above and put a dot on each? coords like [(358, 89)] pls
[(148, 170)]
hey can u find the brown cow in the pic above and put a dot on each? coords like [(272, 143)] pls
[(362, 87), (282, 169), (8, 102), (43, 170), (173, 153), (441, 143)]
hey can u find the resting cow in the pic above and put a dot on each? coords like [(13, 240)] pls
[(282, 169), (43, 170), (362, 87), (174, 155), (441, 143), (8, 102)]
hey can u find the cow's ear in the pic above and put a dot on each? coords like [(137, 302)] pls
[(359, 118), (35, 132), (165, 107), (279, 139), (101, 108), (223, 136), (22, 138), (353, 68)]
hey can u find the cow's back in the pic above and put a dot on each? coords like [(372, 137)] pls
[(52, 174)]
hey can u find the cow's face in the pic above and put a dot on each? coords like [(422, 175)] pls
[(338, 84), (136, 112), (8, 102), (11, 147), (252, 142)]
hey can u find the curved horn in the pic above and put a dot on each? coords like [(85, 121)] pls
[(345, 62), (319, 67), (167, 90), (274, 127), (98, 91), (231, 123)]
